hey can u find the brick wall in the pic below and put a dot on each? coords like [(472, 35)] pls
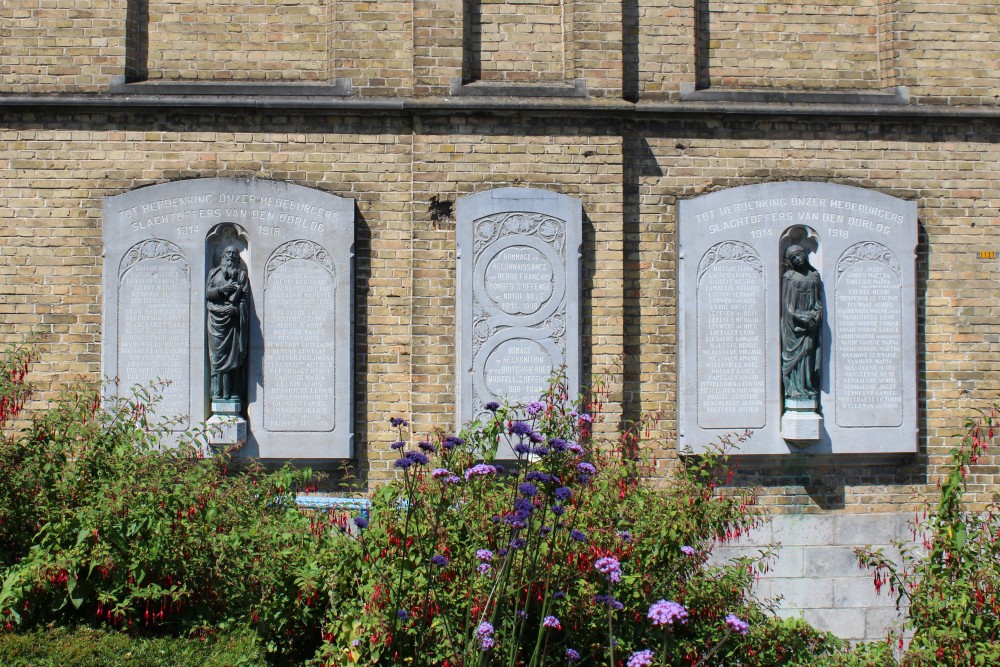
[(628, 166)]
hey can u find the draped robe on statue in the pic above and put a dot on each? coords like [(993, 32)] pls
[(801, 318), (227, 326)]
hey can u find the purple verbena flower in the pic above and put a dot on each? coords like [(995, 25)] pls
[(520, 429), (563, 493), (534, 408), (536, 437), (484, 568), (527, 489), (736, 624), (439, 559), (399, 444), (485, 555), (609, 566), (517, 543), (586, 468), (572, 655), (502, 552), (538, 476), (609, 601), (361, 522), (492, 406), (578, 535), (545, 530), (558, 444), (426, 446), (539, 450), (687, 551), (625, 536), (522, 448), (667, 612), (558, 510), (402, 614), (403, 463), (417, 457), (585, 418), (485, 634), (641, 659), (397, 422), (559, 595), (552, 623), (480, 470), (575, 448), (452, 441), (438, 473)]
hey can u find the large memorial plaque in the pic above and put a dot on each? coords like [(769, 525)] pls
[(518, 295), (296, 245), (732, 258)]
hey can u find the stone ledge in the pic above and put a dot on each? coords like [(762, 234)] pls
[(574, 88), (338, 87), (899, 95)]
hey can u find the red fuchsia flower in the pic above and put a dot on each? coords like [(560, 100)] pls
[(610, 567), (667, 612), (736, 624), (552, 623), (641, 659)]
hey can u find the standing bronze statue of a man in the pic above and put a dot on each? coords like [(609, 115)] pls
[(801, 322), (228, 325)]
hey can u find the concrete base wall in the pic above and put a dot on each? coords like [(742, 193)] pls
[(817, 575)]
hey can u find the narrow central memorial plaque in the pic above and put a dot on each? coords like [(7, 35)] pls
[(797, 319), (518, 296), (239, 292)]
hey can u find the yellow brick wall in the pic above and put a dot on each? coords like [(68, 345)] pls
[(945, 52), (239, 40), (796, 44)]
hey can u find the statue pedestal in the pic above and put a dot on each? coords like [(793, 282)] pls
[(226, 426), (801, 422)]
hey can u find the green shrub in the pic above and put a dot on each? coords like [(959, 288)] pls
[(86, 647), (102, 525), (571, 551), (950, 580)]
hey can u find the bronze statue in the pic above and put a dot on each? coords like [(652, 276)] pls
[(228, 324), (801, 321)]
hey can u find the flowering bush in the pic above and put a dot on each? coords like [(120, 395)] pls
[(567, 552), (950, 579), (101, 525)]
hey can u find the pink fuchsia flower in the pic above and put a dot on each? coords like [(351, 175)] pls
[(667, 612), (687, 551), (480, 470), (641, 659), (551, 622), (736, 624), (611, 567)]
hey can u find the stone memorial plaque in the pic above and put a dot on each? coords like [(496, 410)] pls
[(296, 246), (300, 345), (154, 324), (732, 365), (518, 296), (734, 254)]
